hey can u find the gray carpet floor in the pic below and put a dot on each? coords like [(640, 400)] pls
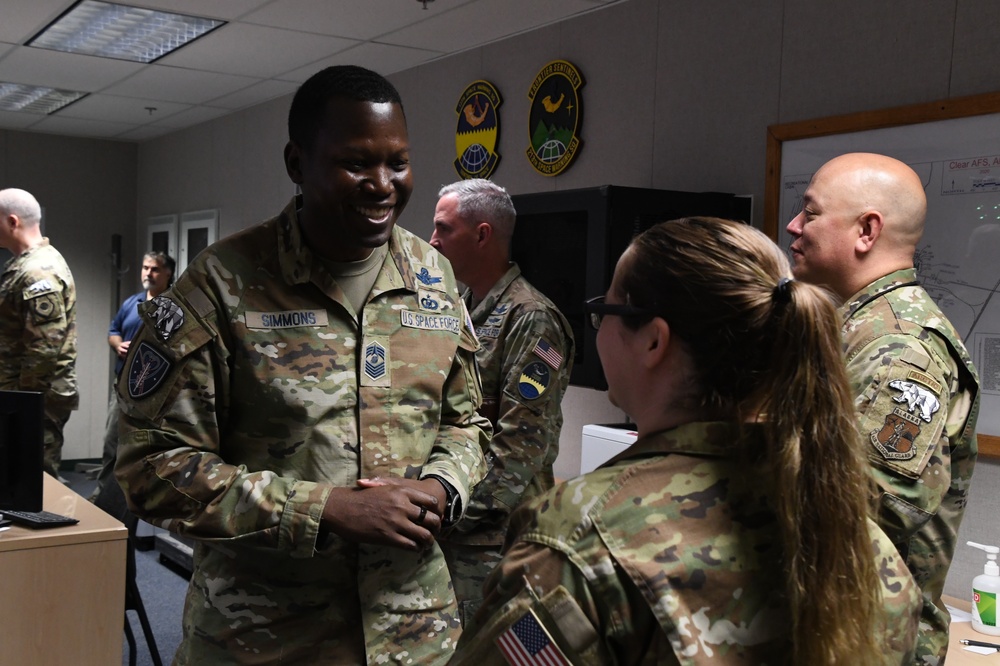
[(162, 590)]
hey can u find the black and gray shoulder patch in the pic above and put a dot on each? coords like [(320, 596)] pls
[(147, 371)]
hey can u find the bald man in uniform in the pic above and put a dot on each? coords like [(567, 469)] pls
[(37, 319), (916, 389)]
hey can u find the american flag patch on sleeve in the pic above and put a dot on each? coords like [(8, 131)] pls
[(526, 643), (548, 353)]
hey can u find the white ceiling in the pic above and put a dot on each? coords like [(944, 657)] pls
[(267, 48)]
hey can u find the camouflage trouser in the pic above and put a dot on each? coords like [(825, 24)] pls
[(55, 417), (469, 567), (108, 495)]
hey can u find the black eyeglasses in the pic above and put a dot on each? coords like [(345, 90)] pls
[(596, 308)]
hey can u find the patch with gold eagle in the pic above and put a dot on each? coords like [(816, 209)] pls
[(904, 421), (554, 118), (478, 131), (534, 380)]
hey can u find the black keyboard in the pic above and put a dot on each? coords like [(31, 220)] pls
[(38, 519)]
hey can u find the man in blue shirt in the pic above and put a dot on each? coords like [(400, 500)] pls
[(157, 274)]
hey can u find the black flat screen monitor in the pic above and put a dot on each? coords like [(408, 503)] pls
[(21, 450), (567, 243)]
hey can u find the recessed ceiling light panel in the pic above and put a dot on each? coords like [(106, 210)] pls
[(111, 30), (35, 99)]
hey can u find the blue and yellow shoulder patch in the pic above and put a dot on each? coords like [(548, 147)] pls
[(534, 380)]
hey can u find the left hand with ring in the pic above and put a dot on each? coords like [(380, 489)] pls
[(401, 513)]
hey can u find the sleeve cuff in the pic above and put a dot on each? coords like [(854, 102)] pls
[(299, 529)]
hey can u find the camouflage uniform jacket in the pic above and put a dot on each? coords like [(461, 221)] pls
[(38, 325), (917, 394), (667, 554), (525, 360), (251, 392)]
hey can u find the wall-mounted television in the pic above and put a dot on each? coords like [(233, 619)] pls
[(21, 450), (568, 242)]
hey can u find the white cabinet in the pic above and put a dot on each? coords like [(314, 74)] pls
[(602, 442)]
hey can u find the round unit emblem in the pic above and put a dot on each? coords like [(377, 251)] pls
[(478, 130), (554, 118)]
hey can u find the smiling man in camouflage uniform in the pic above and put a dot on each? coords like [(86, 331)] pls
[(525, 363), (37, 319), (303, 404), (916, 387)]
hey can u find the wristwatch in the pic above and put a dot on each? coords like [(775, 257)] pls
[(453, 506)]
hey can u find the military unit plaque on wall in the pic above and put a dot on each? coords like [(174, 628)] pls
[(478, 131), (554, 117)]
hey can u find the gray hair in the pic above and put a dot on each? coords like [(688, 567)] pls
[(20, 203), (165, 261), (483, 199)]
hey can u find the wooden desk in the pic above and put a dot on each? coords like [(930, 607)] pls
[(957, 655), (62, 589)]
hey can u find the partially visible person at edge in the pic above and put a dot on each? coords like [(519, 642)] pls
[(302, 403), (735, 529), (37, 319), (915, 387), (525, 360), (157, 274)]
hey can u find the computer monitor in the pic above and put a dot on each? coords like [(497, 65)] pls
[(21, 450), (567, 243)]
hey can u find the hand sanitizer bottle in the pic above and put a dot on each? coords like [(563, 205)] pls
[(984, 593)]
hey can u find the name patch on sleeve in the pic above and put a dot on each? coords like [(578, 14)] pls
[(286, 319), (429, 322)]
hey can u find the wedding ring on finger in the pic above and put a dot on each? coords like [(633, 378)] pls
[(423, 514)]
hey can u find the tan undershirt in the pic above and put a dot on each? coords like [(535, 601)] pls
[(356, 278)]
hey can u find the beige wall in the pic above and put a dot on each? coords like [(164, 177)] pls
[(87, 191), (678, 95)]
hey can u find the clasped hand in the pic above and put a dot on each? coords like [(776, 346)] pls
[(402, 513)]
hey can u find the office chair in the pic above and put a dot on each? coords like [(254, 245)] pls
[(133, 600), (112, 500)]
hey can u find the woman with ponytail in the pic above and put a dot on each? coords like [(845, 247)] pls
[(735, 529)]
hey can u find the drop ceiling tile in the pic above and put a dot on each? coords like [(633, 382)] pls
[(174, 84), (383, 58), (191, 116), (268, 48), (68, 71), (255, 94), (253, 50), (222, 9), (23, 18), (18, 120), (81, 127), (359, 19), (109, 108), (484, 21)]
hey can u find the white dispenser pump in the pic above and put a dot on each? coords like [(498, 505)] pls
[(984, 592)]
